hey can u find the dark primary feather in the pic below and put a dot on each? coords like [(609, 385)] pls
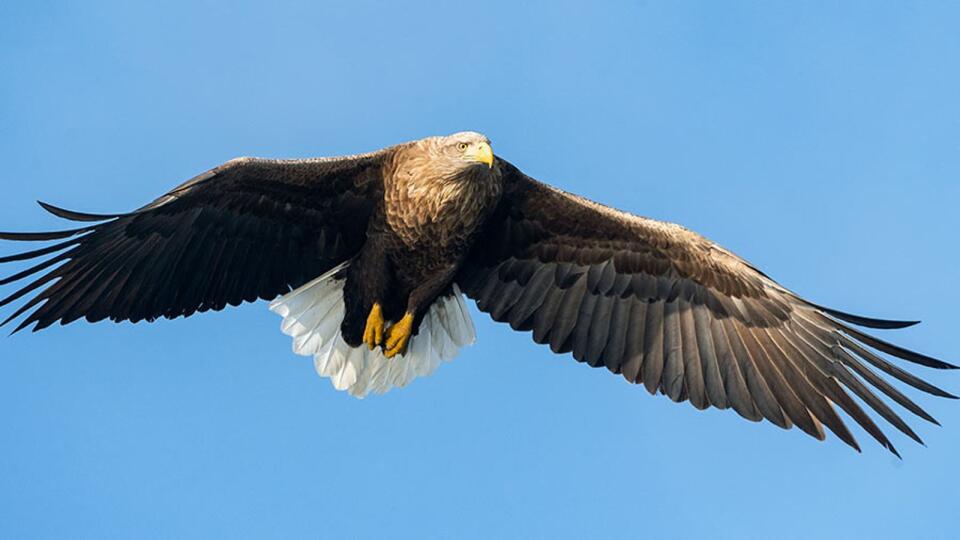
[(75, 216), (249, 229), (677, 313)]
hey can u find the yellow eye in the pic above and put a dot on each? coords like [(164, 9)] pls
[(462, 146)]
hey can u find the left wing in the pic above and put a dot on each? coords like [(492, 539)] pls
[(250, 228), (676, 312)]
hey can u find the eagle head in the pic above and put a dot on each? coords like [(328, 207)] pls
[(461, 152)]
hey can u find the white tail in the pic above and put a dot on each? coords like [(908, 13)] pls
[(312, 315)]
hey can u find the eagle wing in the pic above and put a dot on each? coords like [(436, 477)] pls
[(248, 229), (681, 315)]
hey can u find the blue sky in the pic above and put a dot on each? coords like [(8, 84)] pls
[(820, 141)]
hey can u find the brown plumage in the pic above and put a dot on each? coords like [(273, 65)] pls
[(652, 301)]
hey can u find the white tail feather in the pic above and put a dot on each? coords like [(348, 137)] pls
[(312, 315)]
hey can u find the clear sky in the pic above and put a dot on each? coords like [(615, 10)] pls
[(820, 141)]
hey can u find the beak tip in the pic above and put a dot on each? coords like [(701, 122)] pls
[(486, 155)]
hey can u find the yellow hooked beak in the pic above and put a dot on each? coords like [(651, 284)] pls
[(484, 154)]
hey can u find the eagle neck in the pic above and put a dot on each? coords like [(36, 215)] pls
[(427, 201)]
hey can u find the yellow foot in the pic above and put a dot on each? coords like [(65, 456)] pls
[(399, 335), (373, 333)]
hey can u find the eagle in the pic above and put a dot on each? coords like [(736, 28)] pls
[(367, 258)]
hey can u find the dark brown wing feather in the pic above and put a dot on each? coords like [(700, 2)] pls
[(679, 314), (249, 229)]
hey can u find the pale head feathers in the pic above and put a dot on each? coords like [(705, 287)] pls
[(441, 181)]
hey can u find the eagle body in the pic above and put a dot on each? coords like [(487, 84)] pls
[(419, 236), (369, 260)]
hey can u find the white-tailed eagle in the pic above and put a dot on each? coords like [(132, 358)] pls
[(367, 259)]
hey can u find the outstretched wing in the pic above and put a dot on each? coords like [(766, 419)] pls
[(669, 309), (248, 229)]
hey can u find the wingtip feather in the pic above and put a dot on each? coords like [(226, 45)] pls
[(42, 236), (867, 322), (75, 216)]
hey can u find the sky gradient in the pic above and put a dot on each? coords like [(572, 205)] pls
[(819, 141)]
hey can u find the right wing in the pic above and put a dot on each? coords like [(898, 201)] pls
[(671, 310)]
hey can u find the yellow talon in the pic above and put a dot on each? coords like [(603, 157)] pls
[(373, 333), (398, 336)]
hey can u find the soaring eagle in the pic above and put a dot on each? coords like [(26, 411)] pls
[(367, 259)]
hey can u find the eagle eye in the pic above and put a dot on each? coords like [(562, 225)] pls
[(462, 146)]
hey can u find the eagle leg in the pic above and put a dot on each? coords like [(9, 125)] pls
[(398, 336), (373, 332)]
